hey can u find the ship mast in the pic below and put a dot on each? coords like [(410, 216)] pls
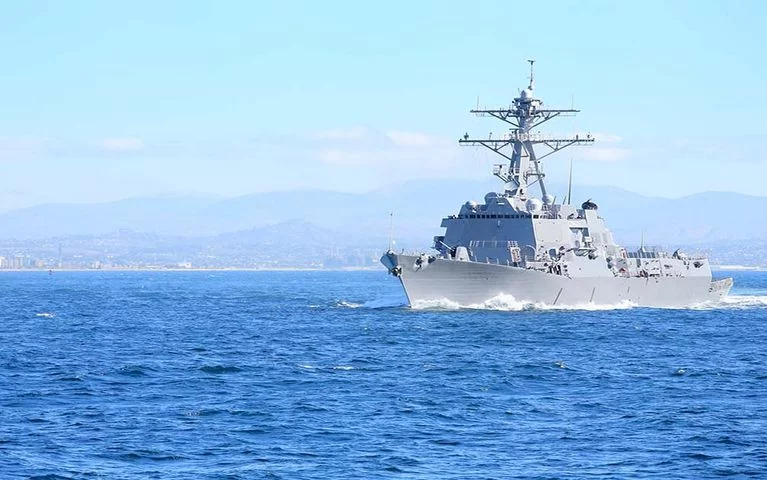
[(524, 167)]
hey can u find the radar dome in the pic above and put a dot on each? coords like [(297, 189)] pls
[(526, 94), (534, 205), (548, 199)]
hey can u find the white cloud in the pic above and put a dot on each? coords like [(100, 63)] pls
[(336, 156), (402, 160), (602, 137), (410, 139), (606, 154), (391, 149), (351, 133), (124, 144), (16, 148), (364, 138)]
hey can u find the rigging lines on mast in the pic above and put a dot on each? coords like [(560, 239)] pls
[(523, 115)]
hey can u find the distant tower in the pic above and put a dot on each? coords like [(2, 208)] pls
[(60, 261)]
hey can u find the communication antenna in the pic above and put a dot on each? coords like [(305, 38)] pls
[(524, 115), (531, 72), (391, 231), (570, 183)]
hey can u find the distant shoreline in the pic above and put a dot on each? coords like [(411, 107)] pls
[(213, 269), (715, 268), (738, 268)]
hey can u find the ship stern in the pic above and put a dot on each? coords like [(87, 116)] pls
[(720, 288)]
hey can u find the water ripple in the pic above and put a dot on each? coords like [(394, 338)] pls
[(299, 375)]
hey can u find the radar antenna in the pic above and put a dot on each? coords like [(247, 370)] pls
[(391, 231), (531, 73), (570, 184), (524, 114)]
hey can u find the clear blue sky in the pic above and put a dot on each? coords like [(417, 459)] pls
[(107, 100)]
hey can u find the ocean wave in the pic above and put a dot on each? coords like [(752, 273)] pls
[(345, 304), (218, 369), (745, 300), (318, 367), (733, 302), (438, 304), (507, 303), (386, 302)]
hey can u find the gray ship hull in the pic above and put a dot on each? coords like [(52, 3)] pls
[(473, 283)]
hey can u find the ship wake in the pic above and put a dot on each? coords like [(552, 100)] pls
[(507, 303), (377, 303), (734, 302)]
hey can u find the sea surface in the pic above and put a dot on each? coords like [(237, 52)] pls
[(298, 375)]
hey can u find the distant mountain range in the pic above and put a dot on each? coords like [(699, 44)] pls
[(364, 218)]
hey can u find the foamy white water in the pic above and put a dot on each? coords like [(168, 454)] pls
[(735, 301), (381, 302), (346, 304), (438, 304), (508, 303)]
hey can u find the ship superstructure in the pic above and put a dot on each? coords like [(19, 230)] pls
[(521, 242)]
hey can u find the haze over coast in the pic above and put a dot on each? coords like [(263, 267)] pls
[(316, 229)]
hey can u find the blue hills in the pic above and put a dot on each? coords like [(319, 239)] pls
[(363, 218)]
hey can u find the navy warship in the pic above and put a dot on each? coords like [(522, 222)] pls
[(539, 251)]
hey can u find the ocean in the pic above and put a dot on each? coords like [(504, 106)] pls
[(303, 375)]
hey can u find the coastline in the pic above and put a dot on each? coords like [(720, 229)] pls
[(715, 268), (738, 268), (212, 269)]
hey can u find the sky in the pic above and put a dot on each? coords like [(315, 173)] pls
[(110, 100)]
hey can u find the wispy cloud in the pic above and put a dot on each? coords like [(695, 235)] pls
[(606, 148), (351, 133), (337, 156), (410, 139), (602, 137), (398, 152), (365, 136), (606, 154), (122, 144), (18, 148)]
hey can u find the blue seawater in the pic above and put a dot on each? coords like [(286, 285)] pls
[(297, 375)]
